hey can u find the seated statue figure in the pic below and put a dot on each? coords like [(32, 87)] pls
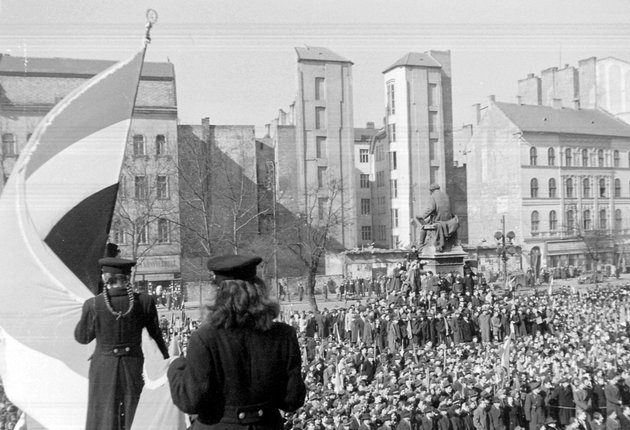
[(439, 220)]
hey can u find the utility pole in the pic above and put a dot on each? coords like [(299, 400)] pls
[(272, 166)]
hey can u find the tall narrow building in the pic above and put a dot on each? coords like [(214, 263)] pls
[(418, 147), (324, 140)]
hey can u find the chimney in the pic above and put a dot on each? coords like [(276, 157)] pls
[(205, 128), (292, 113), (267, 130), (282, 117), (557, 103), (370, 125), (530, 76), (491, 98), (476, 113)]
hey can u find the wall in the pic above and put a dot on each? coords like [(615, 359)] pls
[(494, 158), (529, 90)]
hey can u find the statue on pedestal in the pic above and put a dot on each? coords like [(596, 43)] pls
[(438, 224)]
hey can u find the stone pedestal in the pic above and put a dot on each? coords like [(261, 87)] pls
[(451, 261)]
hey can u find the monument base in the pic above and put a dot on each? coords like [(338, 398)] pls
[(451, 261)]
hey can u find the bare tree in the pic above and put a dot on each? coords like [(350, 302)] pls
[(597, 241), (195, 178), (238, 210), (221, 202), (311, 234), (145, 205)]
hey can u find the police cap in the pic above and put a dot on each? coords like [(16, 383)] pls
[(116, 265), (226, 267)]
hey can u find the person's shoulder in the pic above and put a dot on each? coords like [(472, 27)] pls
[(207, 333), (89, 303), (144, 298), (281, 327)]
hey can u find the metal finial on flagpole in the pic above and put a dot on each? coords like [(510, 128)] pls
[(152, 18)]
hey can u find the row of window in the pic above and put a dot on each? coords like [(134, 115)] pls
[(586, 224), (140, 145), (381, 233), (366, 203), (580, 158), (10, 149), (141, 187), (163, 232), (569, 188), (364, 157), (432, 96), (380, 182), (379, 153)]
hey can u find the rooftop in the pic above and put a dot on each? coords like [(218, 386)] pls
[(315, 53), (10, 65), (546, 119), (415, 59), (364, 134)]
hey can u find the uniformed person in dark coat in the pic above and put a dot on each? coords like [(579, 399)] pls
[(115, 318), (241, 367)]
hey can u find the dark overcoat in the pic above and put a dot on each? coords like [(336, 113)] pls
[(535, 410), (239, 377), (115, 374)]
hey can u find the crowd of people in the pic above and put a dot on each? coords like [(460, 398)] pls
[(170, 297), (447, 352), (414, 358)]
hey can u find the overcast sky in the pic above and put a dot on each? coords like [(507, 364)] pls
[(235, 63)]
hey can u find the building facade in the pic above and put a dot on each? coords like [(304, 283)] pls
[(366, 206), (146, 218), (559, 176), (417, 147), (324, 140)]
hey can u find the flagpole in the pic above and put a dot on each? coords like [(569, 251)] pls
[(152, 18)]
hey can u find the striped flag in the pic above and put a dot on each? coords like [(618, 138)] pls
[(505, 354), (338, 378), (56, 211)]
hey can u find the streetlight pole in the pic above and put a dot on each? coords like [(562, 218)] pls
[(505, 247), (479, 246)]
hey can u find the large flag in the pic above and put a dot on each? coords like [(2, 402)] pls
[(56, 210)]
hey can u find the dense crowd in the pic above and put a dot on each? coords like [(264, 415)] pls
[(431, 355), (170, 297)]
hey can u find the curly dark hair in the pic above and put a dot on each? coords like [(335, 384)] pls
[(243, 304)]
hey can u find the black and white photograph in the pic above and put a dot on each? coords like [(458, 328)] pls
[(315, 215)]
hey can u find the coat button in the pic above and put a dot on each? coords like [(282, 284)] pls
[(241, 416), (127, 349), (260, 412), (115, 350)]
